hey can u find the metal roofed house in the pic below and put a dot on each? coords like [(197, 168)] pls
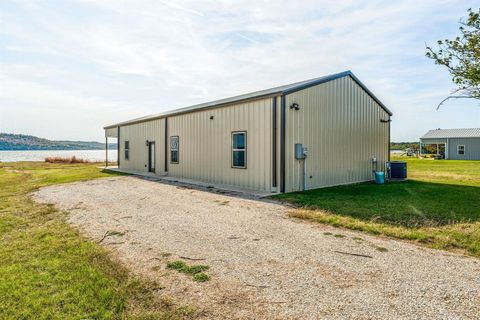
[(457, 144), (252, 141)]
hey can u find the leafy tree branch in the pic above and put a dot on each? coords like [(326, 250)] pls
[(461, 57)]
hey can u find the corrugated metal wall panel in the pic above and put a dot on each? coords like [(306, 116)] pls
[(137, 134), (337, 121), (205, 145), (340, 125), (472, 148)]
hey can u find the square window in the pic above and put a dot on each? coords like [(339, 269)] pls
[(239, 141), (239, 159), (461, 149)]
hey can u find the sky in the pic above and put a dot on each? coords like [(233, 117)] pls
[(68, 68)]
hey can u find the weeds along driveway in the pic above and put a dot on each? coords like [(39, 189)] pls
[(263, 264)]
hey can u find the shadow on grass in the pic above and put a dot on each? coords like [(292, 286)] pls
[(409, 203), (114, 172)]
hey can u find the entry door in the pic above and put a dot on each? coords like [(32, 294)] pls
[(151, 156)]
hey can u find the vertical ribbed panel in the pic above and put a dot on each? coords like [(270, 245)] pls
[(205, 145), (138, 134), (472, 148), (340, 125)]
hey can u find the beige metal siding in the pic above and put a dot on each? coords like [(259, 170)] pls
[(137, 134), (338, 122), (340, 125), (205, 152)]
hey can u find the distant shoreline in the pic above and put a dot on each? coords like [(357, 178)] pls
[(22, 142), (92, 155), (60, 149)]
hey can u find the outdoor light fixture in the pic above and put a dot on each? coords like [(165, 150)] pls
[(211, 117), (295, 106), (385, 121), (146, 143)]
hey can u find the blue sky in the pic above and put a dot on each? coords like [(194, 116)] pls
[(67, 68)]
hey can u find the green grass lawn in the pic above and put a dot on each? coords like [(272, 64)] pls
[(438, 205), (49, 271)]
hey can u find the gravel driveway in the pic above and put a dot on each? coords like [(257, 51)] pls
[(263, 264)]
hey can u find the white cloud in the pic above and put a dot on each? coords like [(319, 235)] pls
[(117, 59)]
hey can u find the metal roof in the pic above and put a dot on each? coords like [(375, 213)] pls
[(452, 133), (281, 90)]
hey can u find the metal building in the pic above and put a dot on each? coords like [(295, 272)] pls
[(454, 144), (252, 141)]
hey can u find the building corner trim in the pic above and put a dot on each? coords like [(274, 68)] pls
[(274, 142), (118, 147), (282, 143), (389, 138), (166, 145)]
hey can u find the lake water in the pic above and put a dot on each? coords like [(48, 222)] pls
[(40, 155)]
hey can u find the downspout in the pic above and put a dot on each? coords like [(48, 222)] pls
[(282, 143), (305, 174), (389, 137), (274, 142), (166, 145)]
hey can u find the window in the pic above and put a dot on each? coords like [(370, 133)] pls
[(461, 149), (127, 150), (174, 145), (239, 150)]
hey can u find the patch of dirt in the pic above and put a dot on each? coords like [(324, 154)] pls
[(264, 265)]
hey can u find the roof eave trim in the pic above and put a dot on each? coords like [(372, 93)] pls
[(449, 137), (270, 94), (335, 77), (180, 111)]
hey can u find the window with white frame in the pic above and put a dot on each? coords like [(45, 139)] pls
[(461, 149), (127, 150), (174, 149), (239, 149)]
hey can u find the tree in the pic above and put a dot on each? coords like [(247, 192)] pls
[(461, 57)]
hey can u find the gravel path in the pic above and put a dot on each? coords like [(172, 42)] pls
[(263, 264)]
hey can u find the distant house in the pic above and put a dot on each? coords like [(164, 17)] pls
[(455, 144), (259, 140)]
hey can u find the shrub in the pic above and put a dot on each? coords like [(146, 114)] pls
[(66, 160)]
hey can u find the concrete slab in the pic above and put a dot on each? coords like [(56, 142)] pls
[(218, 188)]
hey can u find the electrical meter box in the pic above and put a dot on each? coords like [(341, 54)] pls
[(300, 151)]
